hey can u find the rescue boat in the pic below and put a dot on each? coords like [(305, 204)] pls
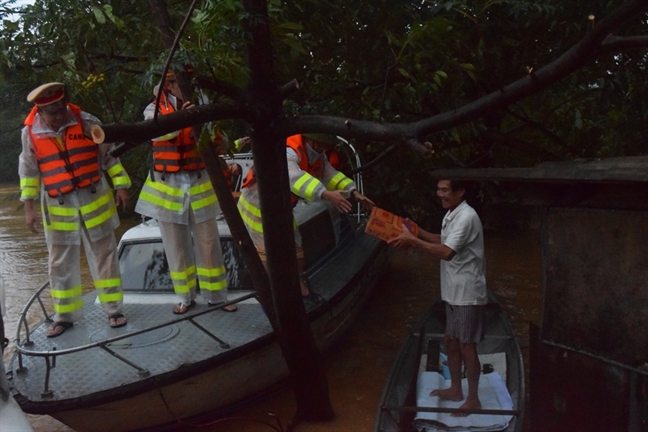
[(421, 366), (162, 369)]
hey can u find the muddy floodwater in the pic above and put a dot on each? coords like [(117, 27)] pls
[(358, 366)]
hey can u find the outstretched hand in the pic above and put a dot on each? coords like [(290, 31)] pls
[(365, 202), (338, 200)]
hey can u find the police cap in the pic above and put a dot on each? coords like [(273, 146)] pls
[(47, 94)]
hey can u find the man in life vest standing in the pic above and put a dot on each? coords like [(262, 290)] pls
[(62, 165), (312, 178), (178, 193)]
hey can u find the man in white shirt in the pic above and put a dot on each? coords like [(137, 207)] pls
[(460, 246)]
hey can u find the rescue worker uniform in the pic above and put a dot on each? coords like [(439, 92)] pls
[(310, 175), (178, 193), (63, 168)]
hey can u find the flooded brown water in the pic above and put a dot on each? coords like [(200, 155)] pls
[(358, 366)]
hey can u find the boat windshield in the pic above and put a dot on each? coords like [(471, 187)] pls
[(144, 267)]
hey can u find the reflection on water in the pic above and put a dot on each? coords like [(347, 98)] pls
[(358, 366)]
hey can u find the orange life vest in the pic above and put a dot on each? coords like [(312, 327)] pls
[(74, 167), (334, 159), (179, 153), (296, 143)]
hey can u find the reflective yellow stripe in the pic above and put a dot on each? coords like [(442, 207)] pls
[(67, 308), (121, 181), (183, 280), (161, 202), (116, 169), (213, 272), (246, 207), (63, 226), (29, 193), (107, 283), (66, 293), (29, 182), (198, 189), (256, 226), (180, 288), (168, 190), (249, 207), (101, 218), (114, 297), (198, 204), (119, 175), (300, 182), (344, 183), (213, 286), (339, 181), (94, 205), (178, 275), (62, 211), (311, 187)]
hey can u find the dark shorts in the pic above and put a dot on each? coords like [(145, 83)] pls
[(465, 323)]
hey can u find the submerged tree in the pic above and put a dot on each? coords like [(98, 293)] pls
[(466, 76)]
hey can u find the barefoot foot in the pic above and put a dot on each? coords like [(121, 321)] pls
[(449, 393), (471, 404)]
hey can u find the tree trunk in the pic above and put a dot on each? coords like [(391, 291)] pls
[(280, 297), (269, 150)]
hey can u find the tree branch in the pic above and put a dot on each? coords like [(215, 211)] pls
[(614, 43), (145, 130), (598, 40)]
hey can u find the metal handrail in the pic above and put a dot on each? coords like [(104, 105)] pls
[(22, 318), (50, 355)]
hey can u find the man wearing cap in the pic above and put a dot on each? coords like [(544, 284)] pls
[(312, 178), (62, 166), (178, 193)]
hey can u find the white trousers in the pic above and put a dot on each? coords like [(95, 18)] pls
[(195, 262), (65, 276)]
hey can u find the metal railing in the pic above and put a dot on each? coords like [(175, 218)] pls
[(51, 355)]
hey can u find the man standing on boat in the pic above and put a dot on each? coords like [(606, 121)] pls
[(178, 193), (312, 178), (460, 246), (62, 165)]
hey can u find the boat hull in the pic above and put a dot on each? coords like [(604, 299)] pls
[(231, 377)]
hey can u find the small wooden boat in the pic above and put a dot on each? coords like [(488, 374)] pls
[(163, 368), (406, 405)]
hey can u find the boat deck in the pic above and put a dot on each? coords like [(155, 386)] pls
[(172, 342)]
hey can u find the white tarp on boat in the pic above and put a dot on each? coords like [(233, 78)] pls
[(493, 395)]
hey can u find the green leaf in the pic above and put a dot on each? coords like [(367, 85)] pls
[(99, 15), (108, 11), (404, 73)]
